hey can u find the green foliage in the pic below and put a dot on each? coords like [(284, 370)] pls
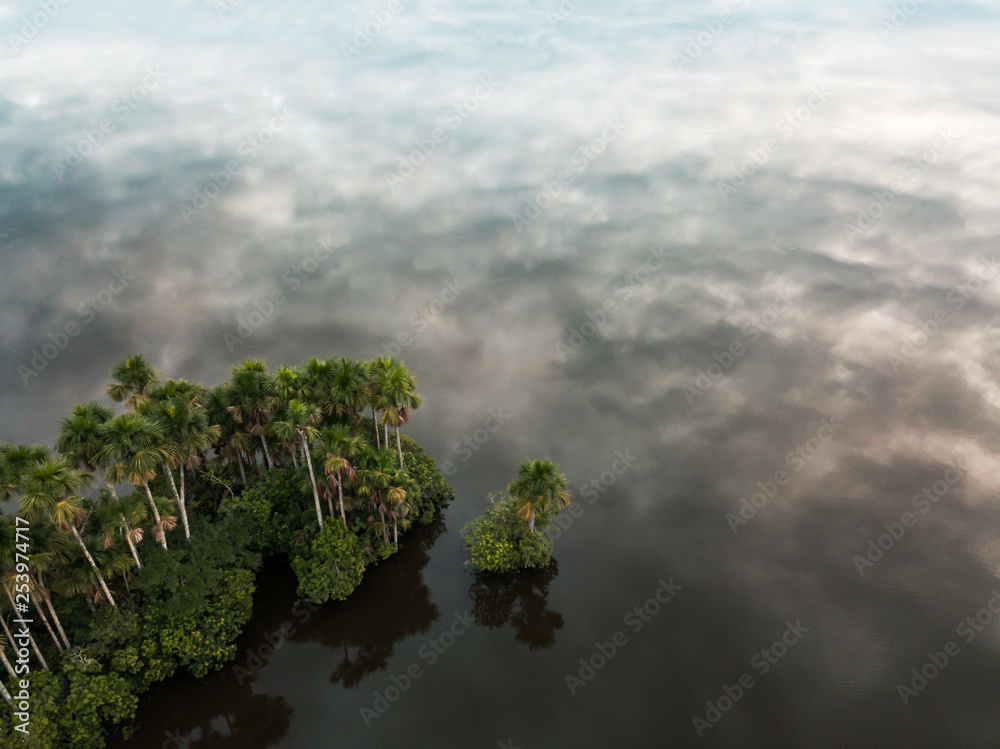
[(272, 506), (432, 489), (499, 541), (332, 565)]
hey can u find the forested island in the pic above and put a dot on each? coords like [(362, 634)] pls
[(123, 589)]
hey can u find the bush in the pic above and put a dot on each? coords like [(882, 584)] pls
[(432, 490), (331, 566), (272, 505), (499, 541)]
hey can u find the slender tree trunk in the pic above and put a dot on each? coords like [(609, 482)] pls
[(34, 645), (6, 694), (385, 531), (378, 445), (395, 532), (180, 500), (267, 453), (399, 448), (340, 497), (131, 544), (295, 461), (6, 663), (531, 522), (243, 471), (55, 618), (156, 516), (90, 559), (45, 621), (386, 428), (312, 477)]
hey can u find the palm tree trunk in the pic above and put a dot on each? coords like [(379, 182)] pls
[(531, 521), (156, 516), (378, 445), (180, 499), (385, 531), (386, 427), (45, 621), (312, 477), (6, 663), (340, 496), (55, 618), (131, 544), (6, 695), (399, 448), (243, 471), (90, 559), (34, 645), (267, 453), (395, 532), (295, 461)]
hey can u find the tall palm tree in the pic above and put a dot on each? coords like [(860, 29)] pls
[(232, 442), (80, 439), (249, 392), (125, 517), (377, 398), (397, 387), (25, 579), (300, 419), (538, 488), (379, 480), (50, 490), (338, 448), (134, 448), (348, 387), (135, 379), (187, 434)]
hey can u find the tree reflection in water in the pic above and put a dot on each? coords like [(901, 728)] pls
[(520, 600)]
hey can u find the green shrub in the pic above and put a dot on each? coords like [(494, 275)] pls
[(499, 541), (331, 566)]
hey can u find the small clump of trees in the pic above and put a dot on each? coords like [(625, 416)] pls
[(128, 587), (510, 535)]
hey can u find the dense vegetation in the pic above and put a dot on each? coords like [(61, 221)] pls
[(125, 589), (510, 535)]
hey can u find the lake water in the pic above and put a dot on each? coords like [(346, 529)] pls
[(732, 265)]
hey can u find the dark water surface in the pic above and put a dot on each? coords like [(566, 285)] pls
[(708, 257)]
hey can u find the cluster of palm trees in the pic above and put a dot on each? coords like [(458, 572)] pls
[(312, 416)]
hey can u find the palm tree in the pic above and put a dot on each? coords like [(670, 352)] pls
[(397, 387), (188, 435), (126, 517), (379, 480), (538, 488), (338, 447), (377, 398), (135, 379), (134, 447), (249, 391), (80, 439), (300, 419), (232, 441), (348, 386), (50, 490)]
